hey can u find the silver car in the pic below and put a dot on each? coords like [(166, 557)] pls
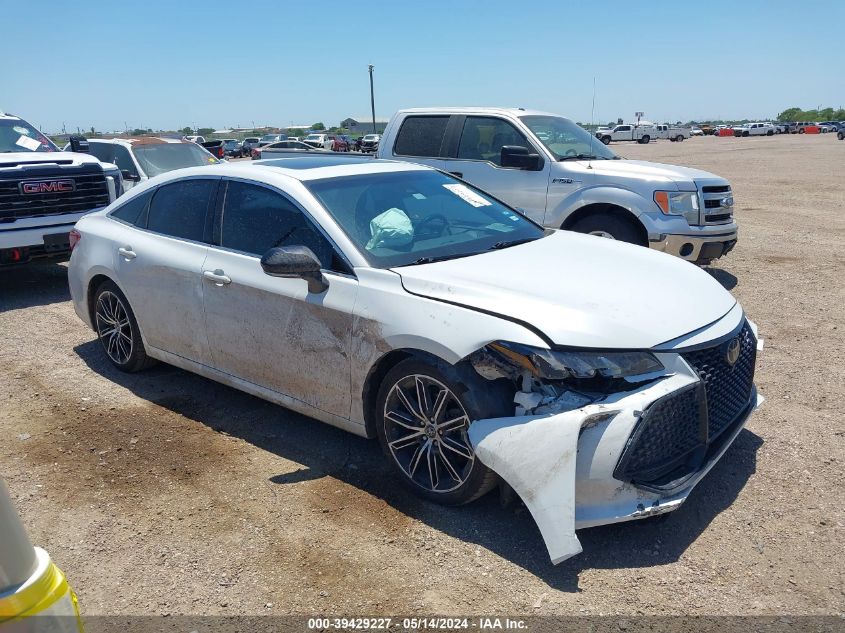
[(601, 380)]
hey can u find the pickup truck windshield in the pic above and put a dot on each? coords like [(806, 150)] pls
[(566, 140), (159, 158), (17, 135), (417, 217)]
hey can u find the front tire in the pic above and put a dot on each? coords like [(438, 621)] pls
[(605, 140), (118, 330), (610, 226), (423, 412)]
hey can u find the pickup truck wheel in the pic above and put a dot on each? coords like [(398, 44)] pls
[(610, 226), (840, 135), (118, 331), (645, 139), (424, 410), (605, 140), (770, 133), (679, 138)]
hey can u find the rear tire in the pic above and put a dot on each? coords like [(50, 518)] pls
[(118, 331), (770, 133), (679, 138), (645, 140), (609, 226), (427, 445)]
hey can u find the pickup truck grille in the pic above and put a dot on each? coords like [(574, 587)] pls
[(715, 211), (90, 191)]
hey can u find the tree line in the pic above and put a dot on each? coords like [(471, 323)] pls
[(797, 114)]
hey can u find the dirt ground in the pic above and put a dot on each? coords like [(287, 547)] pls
[(164, 492)]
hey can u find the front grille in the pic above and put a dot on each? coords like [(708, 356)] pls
[(712, 197), (679, 432), (716, 189), (728, 388), (718, 217), (91, 192)]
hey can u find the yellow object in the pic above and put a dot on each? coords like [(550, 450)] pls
[(45, 602)]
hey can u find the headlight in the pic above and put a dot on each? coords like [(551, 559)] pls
[(677, 202), (562, 364)]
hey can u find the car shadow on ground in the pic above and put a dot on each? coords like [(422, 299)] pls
[(725, 278), (33, 285), (509, 532)]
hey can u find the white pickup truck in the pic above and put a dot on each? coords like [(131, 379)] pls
[(44, 191), (754, 129), (642, 132), (563, 177)]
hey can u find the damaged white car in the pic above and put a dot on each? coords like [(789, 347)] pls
[(598, 379)]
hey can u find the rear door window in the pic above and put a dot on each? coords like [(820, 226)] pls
[(421, 136), (180, 209)]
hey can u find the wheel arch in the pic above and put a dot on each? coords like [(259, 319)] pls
[(610, 209), (379, 369), (93, 284)]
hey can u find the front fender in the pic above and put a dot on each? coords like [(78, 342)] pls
[(626, 199)]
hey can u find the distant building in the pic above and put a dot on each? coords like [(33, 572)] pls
[(363, 125)]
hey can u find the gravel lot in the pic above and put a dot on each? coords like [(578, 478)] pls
[(167, 493)]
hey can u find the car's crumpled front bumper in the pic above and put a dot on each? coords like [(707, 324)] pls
[(562, 465)]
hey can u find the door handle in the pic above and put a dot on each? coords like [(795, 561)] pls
[(217, 276), (127, 252), (459, 174)]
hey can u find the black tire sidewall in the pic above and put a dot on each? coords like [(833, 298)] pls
[(480, 398), (138, 360), (620, 228)]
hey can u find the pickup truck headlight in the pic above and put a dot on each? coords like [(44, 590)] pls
[(677, 202), (547, 364)]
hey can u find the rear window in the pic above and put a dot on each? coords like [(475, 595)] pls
[(421, 136), (180, 209), (159, 158)]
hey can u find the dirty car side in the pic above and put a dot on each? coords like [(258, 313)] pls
[(631, 372)]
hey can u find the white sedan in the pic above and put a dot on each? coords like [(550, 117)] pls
[(600, 380)]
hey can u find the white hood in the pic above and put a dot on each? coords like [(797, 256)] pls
[(67, 158), (580, 290), (683, 177)]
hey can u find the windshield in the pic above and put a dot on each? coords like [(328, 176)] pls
[(162, 157), (371, 137), (313, 137), (16, 135), (565, 139), (415, 217)]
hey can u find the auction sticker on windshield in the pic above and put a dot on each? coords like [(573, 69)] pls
[(467, 194), (28, 143)]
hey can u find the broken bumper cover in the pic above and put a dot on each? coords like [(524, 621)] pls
[(566, 466)]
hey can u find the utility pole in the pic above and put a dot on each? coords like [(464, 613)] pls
[(372, 97)]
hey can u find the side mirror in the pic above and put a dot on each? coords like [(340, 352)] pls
[(520, 157), (127, 175), (79, 144), (295, 262)]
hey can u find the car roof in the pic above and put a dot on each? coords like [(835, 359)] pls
[(144, 140), (478, 110), (298, 167)]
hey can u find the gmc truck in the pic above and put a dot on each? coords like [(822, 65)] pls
[(561, 176), (44, 191)]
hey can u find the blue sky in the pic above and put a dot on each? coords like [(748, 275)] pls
[(169, 64)]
